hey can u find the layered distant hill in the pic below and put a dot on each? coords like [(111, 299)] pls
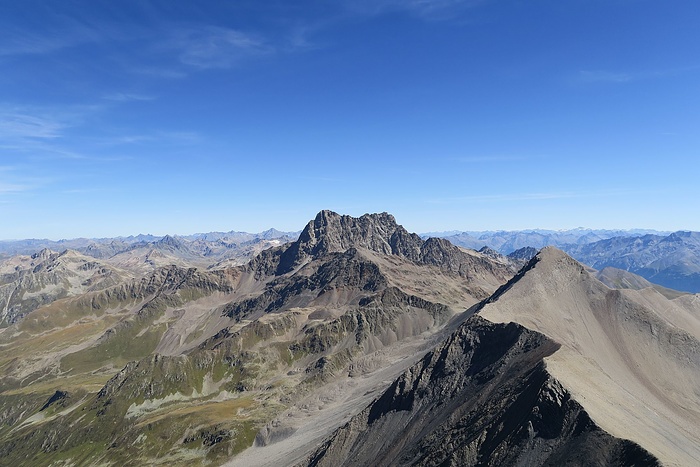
[(357, 343), (214, 245), (31, 277), (142, 253), (672, 261), (506, 242), (668, 259)]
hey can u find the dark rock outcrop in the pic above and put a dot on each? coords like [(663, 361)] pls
[(332, 233), (484, 397), (523, 254)]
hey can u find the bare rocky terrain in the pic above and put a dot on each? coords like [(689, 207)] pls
[(483, 397), (190, 364), (29, 282), (631, 358), (357, 344)]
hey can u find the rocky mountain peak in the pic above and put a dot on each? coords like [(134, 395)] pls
[(170, 241), (331, 232), (525, 253), (490, 252), (379, 233), (43, 255), (554, 256), (559, 267)]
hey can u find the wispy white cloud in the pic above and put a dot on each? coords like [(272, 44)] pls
[(215, 47), (588, 76), (49, 32), (319, 179), (298, 38), (435, 6), (165, 72), (606, 76), (13, 182), (18, 124), (81, 191), (41, 132), (503, 197), (128, 97), (13, 188), (536, 196), (22, 42), (426, 9), (21, 124), (45, 134), (155, 137), (489, 159)]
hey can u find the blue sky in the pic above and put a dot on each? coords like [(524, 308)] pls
[(127, 117)]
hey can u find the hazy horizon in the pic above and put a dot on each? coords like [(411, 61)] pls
[(298, 230)]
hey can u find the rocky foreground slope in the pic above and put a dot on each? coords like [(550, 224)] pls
[(588, 376), (630, 357), (483, 397)]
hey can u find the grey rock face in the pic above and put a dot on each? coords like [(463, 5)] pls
[(332, 233), (524, 254), (483, 397)]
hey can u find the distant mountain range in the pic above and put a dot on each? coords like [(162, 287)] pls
[(142, 253), (671, 260), (201, 244), (506, 242), (668, 259)]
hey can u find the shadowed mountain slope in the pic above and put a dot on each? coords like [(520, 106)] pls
[(631, 358), (483, 397)]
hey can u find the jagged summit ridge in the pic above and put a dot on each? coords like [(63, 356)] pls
[(379, 233), (331, 232)]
